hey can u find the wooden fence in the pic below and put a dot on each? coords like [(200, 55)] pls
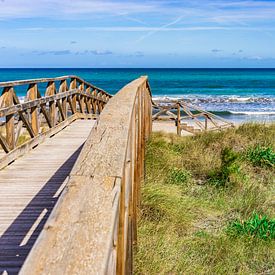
[(63, 100), (183, 113), (93, 227)]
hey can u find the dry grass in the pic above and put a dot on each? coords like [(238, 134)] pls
[(183, 228)]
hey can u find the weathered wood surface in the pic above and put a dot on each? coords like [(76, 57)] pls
[(29, 189), (64, 97), (93, 226)]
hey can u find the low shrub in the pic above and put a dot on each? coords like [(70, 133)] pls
[(177, 176), (261, 156), (229, 167), (256, 226)]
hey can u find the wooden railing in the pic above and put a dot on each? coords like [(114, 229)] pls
[(182, 113), (93, 227), (64, 99)]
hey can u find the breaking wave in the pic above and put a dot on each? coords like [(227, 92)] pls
[(215, 99)]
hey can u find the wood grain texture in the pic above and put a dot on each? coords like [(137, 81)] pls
[(30, 188), (90, 227), (90, 230), (38, 112)]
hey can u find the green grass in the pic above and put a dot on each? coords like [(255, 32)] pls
[(200, 202), (257, 226), (261, 156), (177, 176)]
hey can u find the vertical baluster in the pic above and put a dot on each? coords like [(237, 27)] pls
[(72, 87), (178, 120), (99, 103), (88, 100), (205, 122), (32, 95), (150, 111), (63, 88), (135, 168), (139, 150), (142, 133), (7, 96), (129, 175), (94, 93), (81, 98), (52, 108)]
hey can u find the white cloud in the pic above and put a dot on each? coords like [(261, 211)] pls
[(57, 8), (146, 29), (220, 12), (256, 57)]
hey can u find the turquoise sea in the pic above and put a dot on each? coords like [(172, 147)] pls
[(237, 94)]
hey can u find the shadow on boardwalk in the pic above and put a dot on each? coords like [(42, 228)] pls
[(16, 242)]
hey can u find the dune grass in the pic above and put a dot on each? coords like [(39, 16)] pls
[(208, 204)]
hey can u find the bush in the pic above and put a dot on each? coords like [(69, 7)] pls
[(256, 226), (261, 156), (177, 176), (229, 166)]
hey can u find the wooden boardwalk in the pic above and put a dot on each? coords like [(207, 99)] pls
[(64, 209), (29, 189)]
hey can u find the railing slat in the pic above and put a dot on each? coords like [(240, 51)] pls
[(32, 95), (8, 102)]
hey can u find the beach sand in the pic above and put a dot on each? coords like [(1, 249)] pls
[(168, 127)]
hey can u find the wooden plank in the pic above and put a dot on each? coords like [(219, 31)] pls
[(18, 131), (27, 200), (4, 144), (21, 150)]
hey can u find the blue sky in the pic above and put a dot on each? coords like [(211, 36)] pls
[(116, 33)]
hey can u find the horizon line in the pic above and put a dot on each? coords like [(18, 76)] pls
[(134, 68)]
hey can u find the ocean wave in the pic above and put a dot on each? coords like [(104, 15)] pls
[(214, 99), (256, 113)]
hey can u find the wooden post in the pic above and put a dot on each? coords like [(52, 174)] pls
[(121, 232), (178, 120), (129, 203), (32, 95), (142, 133), (94, 105), (8, 102), (73, 86), (99, 103), (88, 100), (81, 98), (135, 167), (63, 88), (205, 122), (52, 106), (139, 150)]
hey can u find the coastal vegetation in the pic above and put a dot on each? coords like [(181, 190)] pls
[(208, 203)]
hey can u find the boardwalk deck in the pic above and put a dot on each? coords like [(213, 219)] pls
[(29, 189)]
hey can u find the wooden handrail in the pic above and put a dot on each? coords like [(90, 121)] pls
[(93, 226), (191, 112), (39, 113), (43, 80)]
